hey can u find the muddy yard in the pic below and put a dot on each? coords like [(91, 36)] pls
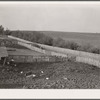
[(46, 75)]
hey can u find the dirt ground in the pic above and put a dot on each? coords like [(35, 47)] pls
[(46, 75)]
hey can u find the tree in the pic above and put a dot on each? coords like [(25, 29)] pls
[(95, 50), (59, 42), (1, 30), (71, 45), (7, 32), (86, 47)]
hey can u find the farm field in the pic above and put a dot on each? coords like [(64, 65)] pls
[(79, 37), (82, 38), (45, 75)]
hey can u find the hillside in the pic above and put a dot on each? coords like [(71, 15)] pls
[(83, 38), (79, 37)]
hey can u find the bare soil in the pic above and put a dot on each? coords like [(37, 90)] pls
[(46, 75)]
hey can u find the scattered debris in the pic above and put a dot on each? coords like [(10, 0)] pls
[(47, 78), (65, 78), (28, 76), (34, 75), (12, 59), (21, 72), (42, 72), (8, 63), (31, 75)]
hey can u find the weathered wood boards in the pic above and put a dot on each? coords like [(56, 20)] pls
[(79, 56), (31, 59), (3, 52)]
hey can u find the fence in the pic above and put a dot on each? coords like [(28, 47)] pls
[(30, 59), (88, 61), (31, 47), (79, 56)]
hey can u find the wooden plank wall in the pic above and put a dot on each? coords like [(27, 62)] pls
[(80, 56), (29, 59)]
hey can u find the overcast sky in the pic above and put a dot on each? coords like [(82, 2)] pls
[(51, 16)]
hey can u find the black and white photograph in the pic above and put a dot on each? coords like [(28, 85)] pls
[(50, 45)]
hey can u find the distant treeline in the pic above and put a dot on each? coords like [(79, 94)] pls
[(39, 37), (33, 36)]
